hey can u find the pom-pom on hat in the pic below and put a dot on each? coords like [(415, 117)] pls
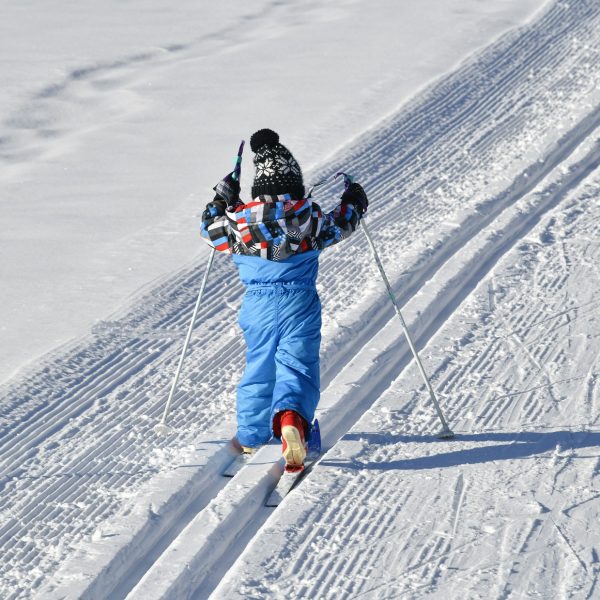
[(277, 171)]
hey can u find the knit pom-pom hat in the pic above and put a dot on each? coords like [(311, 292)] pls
[(277, 171)]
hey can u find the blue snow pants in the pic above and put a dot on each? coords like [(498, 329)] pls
[(281, 321)]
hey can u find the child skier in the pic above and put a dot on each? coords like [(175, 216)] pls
[(275, 241)]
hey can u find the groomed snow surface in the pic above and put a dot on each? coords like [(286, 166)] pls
[(485, 191)]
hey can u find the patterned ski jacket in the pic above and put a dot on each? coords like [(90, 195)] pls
[(276, 227)]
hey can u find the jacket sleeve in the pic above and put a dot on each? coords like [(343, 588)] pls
[(335, 226), (216, 231)]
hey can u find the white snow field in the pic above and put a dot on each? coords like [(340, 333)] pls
[(117, 117), (485, 207)]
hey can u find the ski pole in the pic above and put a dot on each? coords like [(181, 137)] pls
[(446, 432), (162, 428)]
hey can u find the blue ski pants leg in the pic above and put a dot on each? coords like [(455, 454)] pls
[(282, 330)]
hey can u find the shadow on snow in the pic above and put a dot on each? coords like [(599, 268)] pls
[(504, 446)]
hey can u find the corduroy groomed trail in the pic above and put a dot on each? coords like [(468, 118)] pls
[(484, 194)]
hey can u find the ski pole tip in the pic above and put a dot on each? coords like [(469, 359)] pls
[(163, 429), (446, 434)]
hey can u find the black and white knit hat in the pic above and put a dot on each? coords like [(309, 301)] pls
[(277, 171)]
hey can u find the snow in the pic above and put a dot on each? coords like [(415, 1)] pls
[(509, 508), (475, 129), (116, 119)]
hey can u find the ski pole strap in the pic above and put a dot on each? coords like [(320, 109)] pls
[(348, 179)]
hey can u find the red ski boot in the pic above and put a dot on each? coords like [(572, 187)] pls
[(292, 428)]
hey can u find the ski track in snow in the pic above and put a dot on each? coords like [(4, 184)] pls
[(507, 140), (440, 523), (505, 511)]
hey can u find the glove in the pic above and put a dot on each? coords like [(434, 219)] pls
[(213, 209), (228, 189), (354, 194)]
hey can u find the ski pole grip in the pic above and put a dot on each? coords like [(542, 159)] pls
[(348, 179), (237, 167)]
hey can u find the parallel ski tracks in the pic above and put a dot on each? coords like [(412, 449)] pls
[(514, 232), (405, 158)]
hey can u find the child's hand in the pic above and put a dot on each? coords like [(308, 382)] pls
[(228, 189), (214, 209), (354, 194)]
